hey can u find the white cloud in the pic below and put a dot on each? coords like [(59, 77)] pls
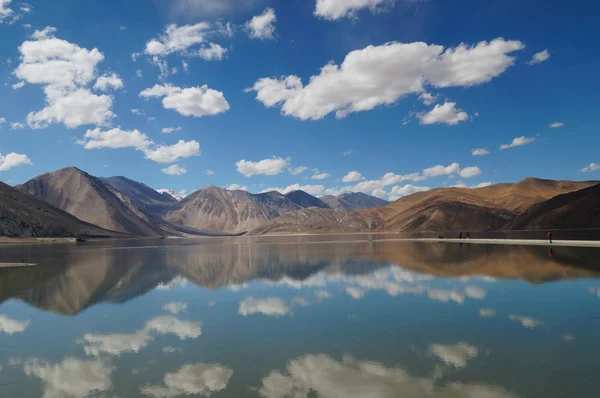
[(172, 153), (446, 114), (319, 176), (440, 170), (168, 324), (475, 292), (115, 344), (175, 307), (2, 120), (381, 75), (209, 172), (353, 176), (11, 326), (107, 82), (45, 33), (487, 313), (591, 167), (174, 170), (526, 321), (169, 130), (454, 355), (197, 379), (17, 126), (18, 85), (213, 52), (519, 141), (349, 152), (427, 98), (380, 193), (483, 184), (556, 125), (177, 39), (269, 167), (446, 296), (192, 101), (297, 170), (72, 377), (479, 152), (399, 191), (236, 187), (139, 73), (539, 57), (115, 138), (322, 295), (469, 172), (272, 306), (13, 160), (310, 189), (355, 292), (5, 12), (337, 9), (262, 26)]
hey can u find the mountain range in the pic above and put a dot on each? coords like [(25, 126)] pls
[(71, 202)]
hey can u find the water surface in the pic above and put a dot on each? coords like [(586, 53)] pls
[(285, 317)]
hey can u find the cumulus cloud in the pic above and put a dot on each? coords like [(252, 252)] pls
[(556, 125), (209, 172), (444, 114), (487, 313), (115, 138), (197, 379), (440, 170), (262, 26), (519, 141), (168, 324), (319, 176), (355, 292), (337, 9), (213, 52), (475, 292), (469, 172), (591, 167), (12, 326), (108, 82), (169, 130), (399, 191), (353, 176), (526, 321), (192, 101), (175, 307), (540, 57), (428, 98), (297, 170), (17, 126), (381, 75), (174, 170), (5, 11), (18, 85), (236, 187), (454, 355), (8, 162), (310, 189), (172, 153), (177, 39), (269, 167), (115, 343), (72, 377), (273, 306), (479, 152), (483, 184)]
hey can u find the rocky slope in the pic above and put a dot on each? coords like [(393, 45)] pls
[(22, 215), (219, 210), (353, 201), (169, 193), (90, 199)]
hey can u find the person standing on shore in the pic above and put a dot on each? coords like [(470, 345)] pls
[(550, 236)]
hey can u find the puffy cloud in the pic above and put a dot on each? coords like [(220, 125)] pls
[(479, 152), (175, 307), (213, 52), (519, 141), (269, 167), (355, 292), (18, 85), (380, 193), (381, 75), (115, 344), (115, 138), (353, 176), (72, 377), (310, 189), (11, 326), (262, 26), (107, 82), (591, 167), (192, 101), (177, 39), (322, 295), (539, 57), (526, 321), (297, 170), (427, 98), (475, 292), (169, 130), (174, 170), (324, 376), (170, 325), (454, 355), (197, 379), (446, 296), (337, 9), (446, 114), (2, 120), (556, 125), (139, 73), (8, 162), (172, 153), (236, 187), (400, 191), (483, 184), (440, 170), (45, 33), (487, 312), (272, 306), (319, 176), (17, 126), (469, 172), (5, 12)]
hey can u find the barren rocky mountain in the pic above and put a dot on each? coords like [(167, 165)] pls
[(219, 210), (90, 199), (22, 215), (574, 210), (353, 201)]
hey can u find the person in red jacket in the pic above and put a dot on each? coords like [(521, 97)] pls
[(550, 236)]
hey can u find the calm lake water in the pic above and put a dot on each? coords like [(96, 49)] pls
[(286, 317)]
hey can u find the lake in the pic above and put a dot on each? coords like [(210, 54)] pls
[(299, 317)]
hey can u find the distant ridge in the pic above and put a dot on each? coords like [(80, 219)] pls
[(353, 201)]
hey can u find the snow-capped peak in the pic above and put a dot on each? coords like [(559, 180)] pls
[(171, 193)]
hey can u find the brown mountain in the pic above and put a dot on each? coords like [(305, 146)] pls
[(90, 199), (22, 215), (574, 210), (219, 210), (353, 201)]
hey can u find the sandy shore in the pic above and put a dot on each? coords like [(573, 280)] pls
[(17, 241)]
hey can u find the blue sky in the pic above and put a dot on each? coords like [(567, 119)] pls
[(408, 85)]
